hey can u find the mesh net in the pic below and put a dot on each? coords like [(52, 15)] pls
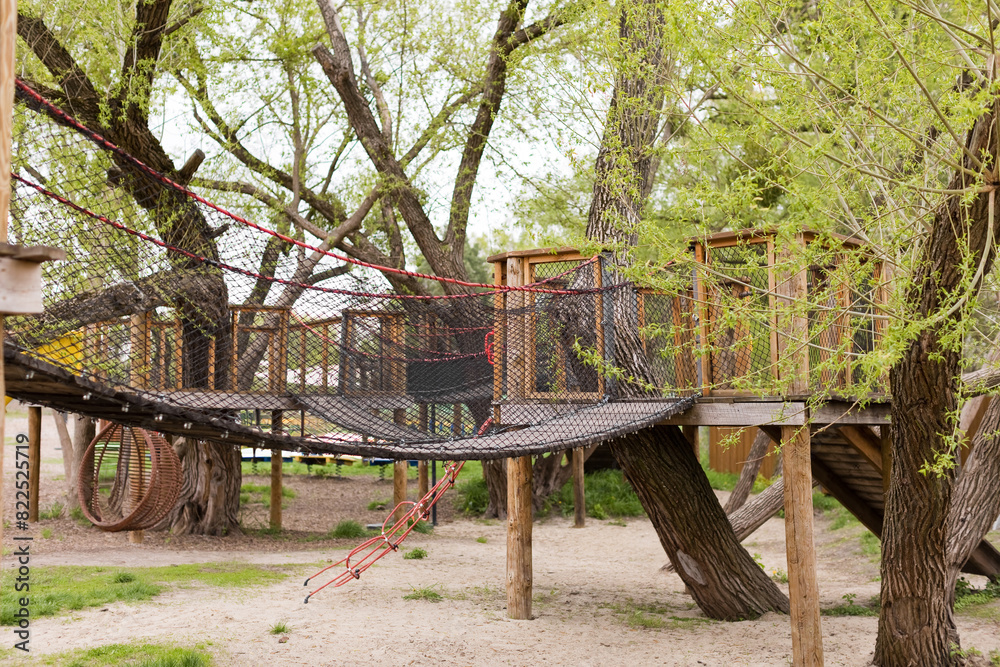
[(172, 312)]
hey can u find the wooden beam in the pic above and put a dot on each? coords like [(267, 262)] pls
[(579, 495), (276, 477), (519, 525), (34, 459), (865, 442), (741, 414), (864, 512), (803, 591)]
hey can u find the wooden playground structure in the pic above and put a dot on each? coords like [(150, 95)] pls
[(784, 370)]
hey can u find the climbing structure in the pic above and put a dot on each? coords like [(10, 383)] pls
[(175, 314)]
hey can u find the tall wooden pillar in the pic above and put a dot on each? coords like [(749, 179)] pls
[(792, 335), (8, 37), (519, 516), (34, 459), (276, 476), (579, 495), (803, 590)]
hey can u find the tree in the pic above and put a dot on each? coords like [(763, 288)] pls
[(878, 120), (659, 463)]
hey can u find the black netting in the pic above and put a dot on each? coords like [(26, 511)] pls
[(175, 314)]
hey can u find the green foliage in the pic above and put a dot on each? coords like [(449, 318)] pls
[(472, 496), (77, 515), (422, 527), (824, 502), (780, 576), (378, 505), (415, 554), (966, 596), (849, 608), (261, 493), (130, 655), (481, 539), (46, 533), (280, 628), (54, 511), (71, 587), (870, 544), (348, 529), (607, 494), (427, 593)]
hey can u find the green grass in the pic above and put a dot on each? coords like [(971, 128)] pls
[(280, 628), (427, 593), (471, 496), (378, 505), (77, 515), (650, 615), (422, 527), (967, 597), (481, 539), (849, 608), (607, 493), (46, 533), (348, 529), (415, 554), (73, 587), (53, 511), (261, 493), (130, 655)]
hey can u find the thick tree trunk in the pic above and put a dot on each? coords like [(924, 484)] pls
[(722, 577), (917, 625), (69, 460), (495, 474), (209, 503)]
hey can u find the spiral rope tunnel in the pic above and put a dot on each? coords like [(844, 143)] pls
[(129, 479)]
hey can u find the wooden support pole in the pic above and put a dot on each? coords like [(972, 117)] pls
[(399, 472), (276, 478), (691, 433), (136, 463), (803, 591), (519, 524), (423, 485), (8, 37), (398, 487), (579, 495), (34, 459)]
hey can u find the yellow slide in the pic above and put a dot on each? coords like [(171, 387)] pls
[(66, 352)]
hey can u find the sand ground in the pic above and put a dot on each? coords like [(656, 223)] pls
[(585, 583)]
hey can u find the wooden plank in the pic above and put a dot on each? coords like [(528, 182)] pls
[(866, 443), (701, 298), (837, 412), (519, 525), (276, 480), (742, 414), (579, 495), (803, 590), (34, 459)]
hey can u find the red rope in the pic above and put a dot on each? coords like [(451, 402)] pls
[(55, 111)]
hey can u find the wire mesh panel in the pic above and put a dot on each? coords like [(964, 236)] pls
[(738, 331), (669, 338)]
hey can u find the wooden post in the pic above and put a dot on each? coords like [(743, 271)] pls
[(34, 459), (399, 472), (136, 463), (519, 518), (276, 480), (579, 496), (691, 433), (8, 37), (519, 526), (803, 591), (422, 485)]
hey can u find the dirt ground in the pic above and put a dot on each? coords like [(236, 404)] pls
[(585, 583)]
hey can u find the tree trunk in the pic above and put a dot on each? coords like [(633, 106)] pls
[(209, 503), (495, 474), (748, 475), (917, 625), (722, 577), (69, 459), (84, 431)]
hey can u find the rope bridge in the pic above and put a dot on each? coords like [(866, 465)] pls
[(176, 314)]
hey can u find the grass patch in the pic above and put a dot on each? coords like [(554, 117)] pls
[(427, 593), (415, 554), (472, 497), (137, 655), (280, 628), (378, 505), (471, 470), (261, 493), (77, 515), (422, 527), (608, 495), (849, 608), (73, 587), (53, 511), (870, 545), (46, 533), (482, 539), (825, 503), (651, 615), (348, 530), (966, 596)]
